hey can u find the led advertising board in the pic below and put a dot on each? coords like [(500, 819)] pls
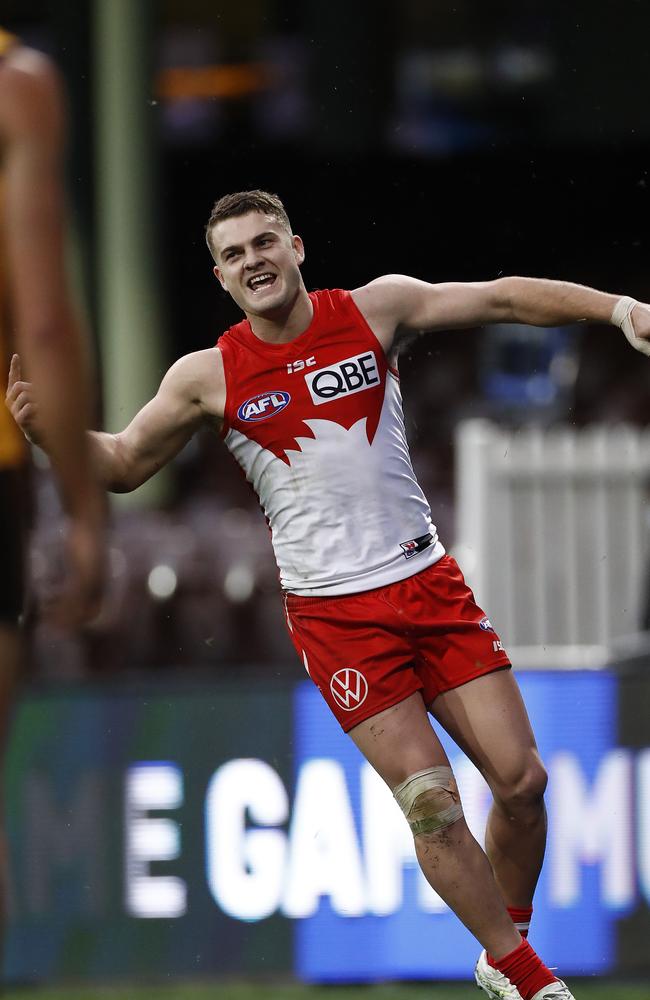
[(235, 829), (381, 920)]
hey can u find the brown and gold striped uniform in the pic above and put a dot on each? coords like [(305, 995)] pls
[(13, 450)]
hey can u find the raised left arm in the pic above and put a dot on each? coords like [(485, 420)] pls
[(396, 299)]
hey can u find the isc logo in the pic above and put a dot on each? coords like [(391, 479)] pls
[(264, 405), (297, 366), (343, 378)]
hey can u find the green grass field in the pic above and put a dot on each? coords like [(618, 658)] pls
[(239, 990)]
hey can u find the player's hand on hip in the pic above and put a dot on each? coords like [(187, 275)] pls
[(20, 402), (78, 600)]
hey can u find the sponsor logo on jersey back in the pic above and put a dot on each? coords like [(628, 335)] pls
[(264, 405), (343, 378)]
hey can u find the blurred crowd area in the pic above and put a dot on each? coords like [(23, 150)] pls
[(449, 140)]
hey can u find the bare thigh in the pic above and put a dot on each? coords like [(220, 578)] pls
[(400, 741), (488, 720)]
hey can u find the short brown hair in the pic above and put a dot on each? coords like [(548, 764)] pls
[(241, 203)]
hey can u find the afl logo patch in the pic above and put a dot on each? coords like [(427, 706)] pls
[(349, 689), (264, 405), (486, 625)]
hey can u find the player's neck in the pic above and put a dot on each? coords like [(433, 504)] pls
[(287, 323)]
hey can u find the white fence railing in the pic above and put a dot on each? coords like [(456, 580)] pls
[(553, 531)]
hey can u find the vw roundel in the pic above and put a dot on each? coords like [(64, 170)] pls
[(264, 405)]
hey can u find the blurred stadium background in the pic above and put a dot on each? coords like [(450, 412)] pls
[(162, 781)]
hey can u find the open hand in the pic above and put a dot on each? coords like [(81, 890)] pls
[(78, 599)]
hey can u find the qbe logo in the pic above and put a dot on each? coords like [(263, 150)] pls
[(343, 378), (265, 404)]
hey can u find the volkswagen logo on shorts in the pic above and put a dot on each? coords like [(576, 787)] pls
[(264, 405), (349, 688), (486, 625)]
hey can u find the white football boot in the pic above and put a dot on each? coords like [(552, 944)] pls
[(555, 991), (496, 985)]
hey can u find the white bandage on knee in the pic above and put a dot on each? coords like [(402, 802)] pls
[(622, 318), (429, 800)]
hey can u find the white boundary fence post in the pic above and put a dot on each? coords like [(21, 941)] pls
[(552, 534)]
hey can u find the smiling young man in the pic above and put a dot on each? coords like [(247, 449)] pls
[(305, 393)]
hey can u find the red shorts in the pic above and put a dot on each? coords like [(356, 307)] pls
[(368, 651)]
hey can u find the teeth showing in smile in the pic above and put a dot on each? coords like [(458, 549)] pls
[(260, 279)]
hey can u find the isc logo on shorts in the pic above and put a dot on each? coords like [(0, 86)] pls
[(264, 405), (343, 378)]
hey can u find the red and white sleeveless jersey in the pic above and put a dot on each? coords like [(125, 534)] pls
[(317, 426)]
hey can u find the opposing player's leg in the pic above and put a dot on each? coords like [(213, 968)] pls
[(10, 664), (488, 720), (399, 743), (12, 511)]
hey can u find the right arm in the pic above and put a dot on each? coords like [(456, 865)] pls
[(192, 392), (162, 427)]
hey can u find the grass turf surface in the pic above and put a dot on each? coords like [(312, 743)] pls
[(585, 990)]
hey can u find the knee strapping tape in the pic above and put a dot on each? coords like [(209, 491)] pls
[(427, 816)]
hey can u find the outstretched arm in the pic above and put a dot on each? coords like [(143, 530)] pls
[(49, 335), (396, 299), (193, 390), (47, 330)]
